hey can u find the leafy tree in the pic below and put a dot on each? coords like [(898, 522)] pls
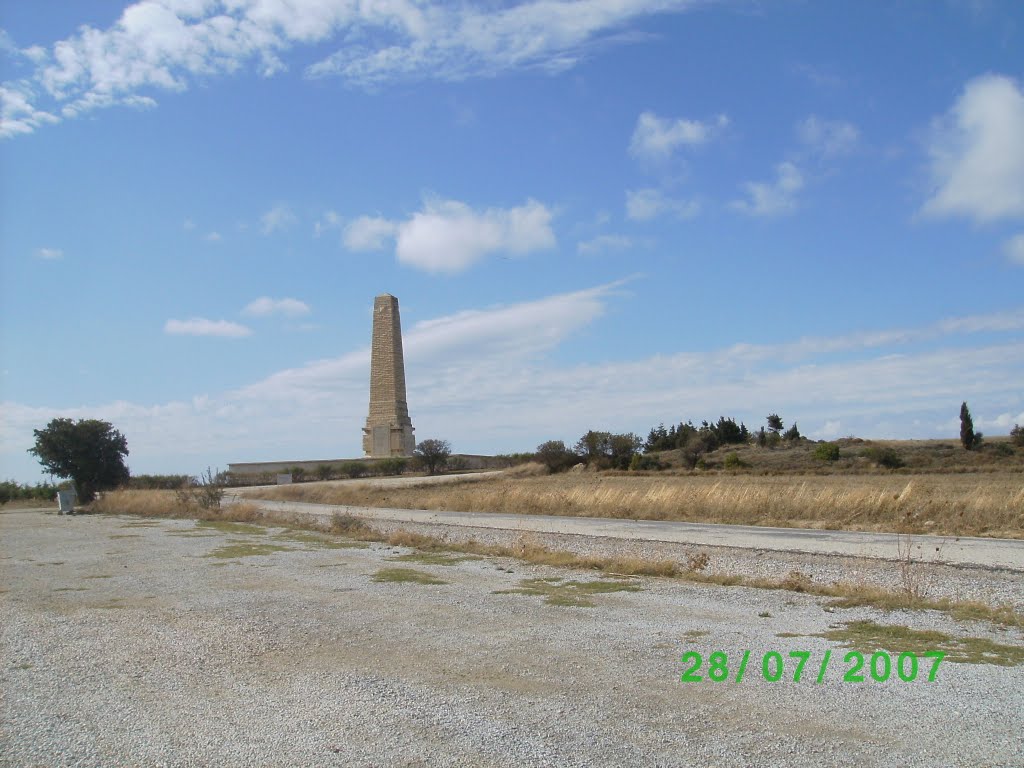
[(605, 450), (433, 454), (555, 456), (90, 452), (775, 423), (593, 446), (968, 437), (792, 434)]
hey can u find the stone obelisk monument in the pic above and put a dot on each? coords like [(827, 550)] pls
[(388, 430)]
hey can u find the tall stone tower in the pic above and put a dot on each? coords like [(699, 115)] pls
[(388, 430)]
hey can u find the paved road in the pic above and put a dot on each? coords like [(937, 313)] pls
[(988, 553)]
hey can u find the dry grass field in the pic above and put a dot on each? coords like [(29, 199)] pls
[(969, 504)]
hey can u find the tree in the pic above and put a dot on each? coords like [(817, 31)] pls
[(555, 456), (433, 454), (775, 423), (792, 434), (90, 452), (1017, 435), (968, 437)]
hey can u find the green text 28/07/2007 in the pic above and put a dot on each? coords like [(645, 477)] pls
[(856, 667)]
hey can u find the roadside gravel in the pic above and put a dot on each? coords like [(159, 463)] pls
[(124, 642)]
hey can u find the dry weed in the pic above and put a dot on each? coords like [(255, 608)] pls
[(962, 504)]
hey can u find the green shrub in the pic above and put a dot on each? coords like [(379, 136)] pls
[(826, 452), (393, 466), (884, 456), (354, 469), (733, 461), (324, 471), (642, 462), (1017, 435)]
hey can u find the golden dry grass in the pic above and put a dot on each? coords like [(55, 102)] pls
[(169, 504), (990, 504)]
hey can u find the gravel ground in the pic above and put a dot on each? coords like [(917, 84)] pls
[(125, 643)]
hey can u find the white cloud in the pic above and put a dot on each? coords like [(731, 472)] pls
[(330, 220), (772, 199), (828, 429), (166, 45), (50, 254), (200, 326), (278, 218), (603, 243), (188, 225), (656, 138), (486, 380), (265, 305), (1003, 422), (368, 233), (449, 236), (646, 204), (213, 237), (17, 113), (828, 137), (1014, 249), (977, 153)]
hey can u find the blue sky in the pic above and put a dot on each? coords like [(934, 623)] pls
[(601, 214)]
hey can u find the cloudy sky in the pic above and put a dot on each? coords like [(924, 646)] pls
[(596, 214)]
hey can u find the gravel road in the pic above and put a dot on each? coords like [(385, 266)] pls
[(164, 643)]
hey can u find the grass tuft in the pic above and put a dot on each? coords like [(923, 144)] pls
[(575, 594), (406, 576)]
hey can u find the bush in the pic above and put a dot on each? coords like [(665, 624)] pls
[(826, 452), (354, 469), (999, 449), (642, 462), (157, 482), (555, 456), (205, 492), (393, 466), (792, 434), (733, 461), (324, 471), (1017, 435), (884, 456), (458, 464)]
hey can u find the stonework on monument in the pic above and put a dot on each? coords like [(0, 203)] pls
[(388, 430)]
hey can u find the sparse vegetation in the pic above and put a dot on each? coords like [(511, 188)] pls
[(574, 594), (868, 636), (846, 595), (406, 576)]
